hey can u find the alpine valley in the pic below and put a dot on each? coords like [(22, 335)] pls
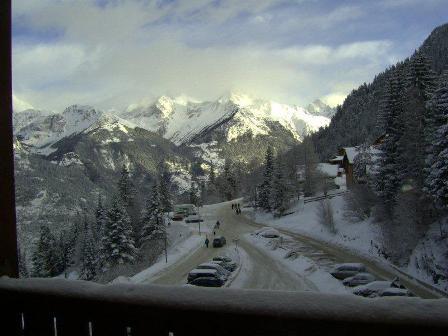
[(64, 161)]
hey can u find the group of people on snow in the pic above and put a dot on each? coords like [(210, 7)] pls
[(236, 207)]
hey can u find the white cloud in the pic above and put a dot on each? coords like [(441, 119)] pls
[(117, 55), (334, 99), (20, 105)]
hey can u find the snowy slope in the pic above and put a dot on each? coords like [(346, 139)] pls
[(39, 132), (318, 107), (180, 120)]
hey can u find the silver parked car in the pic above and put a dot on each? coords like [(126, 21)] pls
[(343, 271), (358, 279)]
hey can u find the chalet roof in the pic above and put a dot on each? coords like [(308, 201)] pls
[(337, 158), (351, 153), (328, 169)]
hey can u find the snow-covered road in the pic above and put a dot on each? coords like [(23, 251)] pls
[(257, 268), (263, 268)]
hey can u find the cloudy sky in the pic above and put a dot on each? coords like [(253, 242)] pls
[(110, 53)]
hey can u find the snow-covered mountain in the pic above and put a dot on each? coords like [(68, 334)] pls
[(182, 120), (318, 107), (38, 131)]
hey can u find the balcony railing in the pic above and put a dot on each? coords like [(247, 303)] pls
[(63, 307)]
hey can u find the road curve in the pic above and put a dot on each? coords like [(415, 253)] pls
[(260, 271)]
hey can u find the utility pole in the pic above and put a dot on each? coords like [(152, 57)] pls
[(165, 238), (199, 222)]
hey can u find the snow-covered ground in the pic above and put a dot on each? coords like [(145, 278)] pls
[(184, 240), (280, 249), (362, 238)]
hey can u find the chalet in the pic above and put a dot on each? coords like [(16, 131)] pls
[(348, 156)]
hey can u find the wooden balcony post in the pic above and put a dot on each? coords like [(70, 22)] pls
[(8, 231)]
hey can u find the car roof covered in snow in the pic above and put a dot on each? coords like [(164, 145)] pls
[(203, 271), (349, 266), (375, 285), (209, 264)]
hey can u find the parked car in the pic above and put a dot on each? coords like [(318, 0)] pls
[(270, 233), (208, 282), (372, 289), (230, 266), (201, 273), (343, 271), (219, 241), (194, 219), (260, 231), (177, 216), (221, 270), (394, 291), (358, 279), (223, 258)]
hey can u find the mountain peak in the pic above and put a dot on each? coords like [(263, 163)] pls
[(237, 97), (318, 107)]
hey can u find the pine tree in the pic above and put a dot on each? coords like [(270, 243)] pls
[(151, 216), (280, 197), (118, 246), (45, 258), (100, 218), (227, 185), (212, 174), (421, 76), (193, 193), (165, 188), (437, 160), (65, 250), (126, 188), (387, 179), (265, 189), (23, 269), (310, 165), (89, 254)]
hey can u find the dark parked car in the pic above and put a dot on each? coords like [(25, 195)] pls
[(203, 273), (219, 241), (207, 282)]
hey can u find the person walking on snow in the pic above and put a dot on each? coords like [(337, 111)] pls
[(206, 241), (217, 224)]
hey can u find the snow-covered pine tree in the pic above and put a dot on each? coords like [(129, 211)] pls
[(265, 188), (100, 219), (193, 193), (310, 164), (212, 174), (421, 76), (387, 178), (23, 268), (151, 215), (89, 254), (437, 160), (65, 250), (118, 246), (418, 121), (126, 188), (45, 258), (361, 162), (280, 196), (165, 188)]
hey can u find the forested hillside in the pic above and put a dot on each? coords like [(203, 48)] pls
[(357, 120)]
